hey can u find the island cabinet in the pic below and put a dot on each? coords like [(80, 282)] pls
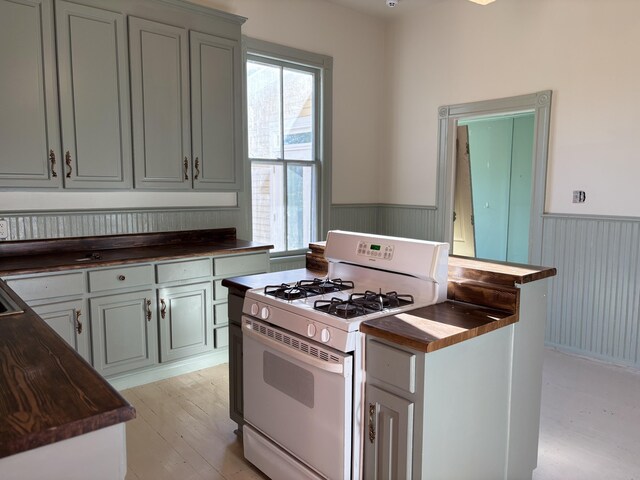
[(98, 86), (442, 414)]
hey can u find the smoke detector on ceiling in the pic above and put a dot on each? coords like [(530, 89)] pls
[(392, 3)]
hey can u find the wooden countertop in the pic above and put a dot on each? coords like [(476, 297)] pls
[(437, 326), (48, 392), (35, 256)]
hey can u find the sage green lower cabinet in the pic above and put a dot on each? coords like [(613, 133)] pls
[(124, 332), (186, 327), (70, 321), (442, 414)]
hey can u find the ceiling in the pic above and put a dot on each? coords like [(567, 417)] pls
[(380, 9)]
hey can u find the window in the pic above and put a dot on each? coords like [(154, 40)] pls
[(287, 147)]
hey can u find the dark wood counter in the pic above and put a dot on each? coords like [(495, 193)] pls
[(48, 392), (33, 256), (437, 326)]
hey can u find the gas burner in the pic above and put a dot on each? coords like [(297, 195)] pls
[(307, 288), (340, 308), (321, 286), (286, 291), (380, 301)]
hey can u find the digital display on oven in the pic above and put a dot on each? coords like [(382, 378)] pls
[(374, 247)]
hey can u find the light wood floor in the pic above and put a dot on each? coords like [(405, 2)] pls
[(183, 431), (590, 425)]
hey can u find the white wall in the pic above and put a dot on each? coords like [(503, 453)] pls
[(584, 50), (356, 42)]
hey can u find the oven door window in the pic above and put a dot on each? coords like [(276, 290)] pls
[(289, 378)]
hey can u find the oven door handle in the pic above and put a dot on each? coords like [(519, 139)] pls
[(292, 352)]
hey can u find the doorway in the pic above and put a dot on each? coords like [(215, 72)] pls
[(492, 195), (539, 106)]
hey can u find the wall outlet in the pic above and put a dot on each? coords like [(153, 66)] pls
[(4, 229), (579, 196)]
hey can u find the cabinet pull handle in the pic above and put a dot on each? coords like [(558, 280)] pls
[(163, 310), (52, 159), (78, 322), (186, 168), (149, 314), (372, 422), (67, 160), (197, 169), (122, 278)]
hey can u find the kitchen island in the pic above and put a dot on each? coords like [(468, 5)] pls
[(482, 350)]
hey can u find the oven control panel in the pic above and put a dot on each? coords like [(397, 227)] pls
[(375, 250)]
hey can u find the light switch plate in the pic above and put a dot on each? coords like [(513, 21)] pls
[(4, 229)]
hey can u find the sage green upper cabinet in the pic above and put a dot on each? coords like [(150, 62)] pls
[(215, 112), (94, 97), (29, 135), (160, 104)]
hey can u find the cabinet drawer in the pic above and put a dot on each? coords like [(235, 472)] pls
[(121, 277), (171, 272), (220, 292), (221, 314), (222, 337), (48, 286), (241, 264), (391, 365)]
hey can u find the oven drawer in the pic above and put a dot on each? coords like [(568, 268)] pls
[(392, 365)]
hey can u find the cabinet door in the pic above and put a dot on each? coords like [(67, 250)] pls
[(94, 97), (29, 136), (124, 332), (160, 105), (215, 110), (185, 321), (68, 319), (388, 435)]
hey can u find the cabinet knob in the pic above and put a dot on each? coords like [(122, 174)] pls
[(163, 309), (121, 278), (186, 168), (197, 167)]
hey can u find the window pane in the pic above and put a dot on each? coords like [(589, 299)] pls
[(264, 111), (300, 202), (267, 191), (298, 115)]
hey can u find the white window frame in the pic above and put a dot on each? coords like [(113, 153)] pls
[(322, 66)]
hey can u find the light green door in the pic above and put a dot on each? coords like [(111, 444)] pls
[(29, 135), (160, 105), (124, 332), (389, 435), (94, 97), (185, 321), (216, 120), (69, 320)]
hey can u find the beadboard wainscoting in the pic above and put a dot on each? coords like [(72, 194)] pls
[(594, 303), (31, 226), (384, 219)]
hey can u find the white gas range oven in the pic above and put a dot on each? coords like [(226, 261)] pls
[(303, 355)]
